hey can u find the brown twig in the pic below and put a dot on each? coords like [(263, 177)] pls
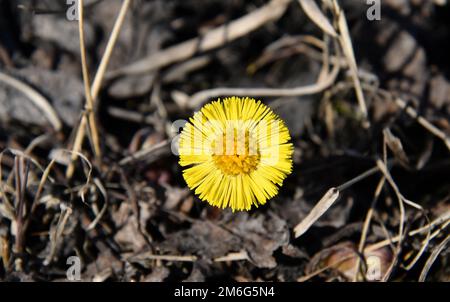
[(212, 39), (89, 102), (378, 245), (347, 47), (149, 154), (21, 169), (424, 122), (366, 225), (96, 85), (432, 258), (150, 256), (42, 103), (445, 218), (199, 98)]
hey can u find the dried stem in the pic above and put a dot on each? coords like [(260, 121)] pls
[(96, 85), (212, 39), (38, 99), (199, 98), (89, 100)]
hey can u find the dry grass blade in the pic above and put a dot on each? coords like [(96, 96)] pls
[(6, 207), (347, 47), (96, 85), (36, 142), (21, 168), (437, 250), (323, 269), (89, 102), (212, 39), (24, 212), (148, 154), (395, 145), (20, 153), (383, 168), (419, 254), (34, 96), (315, 14), (412, 113), (57, 231), (87, 170), (28, 157), (364, 232), (182, 69), (42, 182), (443, 219), (99, 76), (100, 214), (149, 256), (327, 201), (87, 173), (4, 251), (286, 47), (76, 146), (199, 98), (424, 123), (358, 178), (242, 255), (319, 209)]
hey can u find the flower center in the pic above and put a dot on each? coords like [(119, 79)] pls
[(235, 153)]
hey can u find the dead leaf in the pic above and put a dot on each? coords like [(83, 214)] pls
[(322, 206)]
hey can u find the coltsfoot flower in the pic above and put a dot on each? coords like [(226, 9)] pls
[(236, 153)]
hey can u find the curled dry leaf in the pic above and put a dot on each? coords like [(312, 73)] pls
[(343, 257), (322, 206)]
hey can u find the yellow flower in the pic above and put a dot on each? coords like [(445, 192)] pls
[(237, 153)]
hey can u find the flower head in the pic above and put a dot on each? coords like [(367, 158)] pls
[(237, 153)]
